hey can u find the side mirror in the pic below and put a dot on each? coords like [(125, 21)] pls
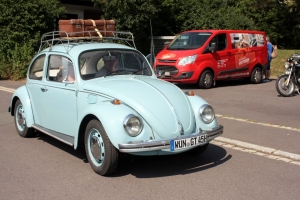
[(212, 47)]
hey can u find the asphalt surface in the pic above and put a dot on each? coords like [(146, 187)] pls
[(43, 168)]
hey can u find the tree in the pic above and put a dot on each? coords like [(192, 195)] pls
[(21, 24), (133, 16)]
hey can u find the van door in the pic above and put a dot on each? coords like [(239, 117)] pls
[(220, 56), (243, 54)]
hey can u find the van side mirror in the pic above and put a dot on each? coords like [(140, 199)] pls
[(212, 47)]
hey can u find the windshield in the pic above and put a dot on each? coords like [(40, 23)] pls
[(103, 63), (190, 40)]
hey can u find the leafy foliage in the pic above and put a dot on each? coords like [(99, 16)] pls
[(21, 24)]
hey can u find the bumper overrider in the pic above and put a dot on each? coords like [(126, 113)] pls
[(140, 146)]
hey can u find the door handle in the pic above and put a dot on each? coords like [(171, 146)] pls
[(44, 89), (229, 53)]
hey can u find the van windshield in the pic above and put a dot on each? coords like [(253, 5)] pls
[(187, 41)]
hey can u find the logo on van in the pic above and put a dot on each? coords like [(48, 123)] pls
[(169, 55)]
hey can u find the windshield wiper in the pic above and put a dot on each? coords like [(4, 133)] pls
[(135, 72), (114, 72)]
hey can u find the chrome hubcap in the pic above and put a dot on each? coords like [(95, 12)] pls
[(208, 79), (20, 115), (96, 146), (257, 75)]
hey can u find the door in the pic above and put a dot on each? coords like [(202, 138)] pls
[(60, 98), (221, 57)]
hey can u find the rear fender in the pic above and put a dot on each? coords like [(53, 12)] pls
[(22, 94)]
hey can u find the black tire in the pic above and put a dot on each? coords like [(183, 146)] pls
[(283, 90), (102, 155), (206, 80), (256, 75), (20, 121), (198, 150)]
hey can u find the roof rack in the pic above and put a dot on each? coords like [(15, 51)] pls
[(51, 39)]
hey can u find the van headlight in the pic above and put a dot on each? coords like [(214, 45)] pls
[(187, 60), (207, 113), (133, 125)]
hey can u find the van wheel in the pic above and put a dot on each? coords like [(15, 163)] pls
[(256, 76), (206, 80)]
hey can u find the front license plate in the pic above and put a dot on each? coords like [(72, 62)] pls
[(167, 73), (189, 142)]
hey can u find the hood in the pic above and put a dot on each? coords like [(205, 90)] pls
[(175, 54), (163, 105)]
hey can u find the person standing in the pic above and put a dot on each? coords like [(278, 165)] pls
[(270, 50)]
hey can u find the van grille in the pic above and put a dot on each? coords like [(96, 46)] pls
[(166, 68), (166, 61)]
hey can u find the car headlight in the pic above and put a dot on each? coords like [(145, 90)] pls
[(187, 60), (287, 65), (133, 125), (207, 113)]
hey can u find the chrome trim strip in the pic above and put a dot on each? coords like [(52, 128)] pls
[(165, 144), (61, 137)]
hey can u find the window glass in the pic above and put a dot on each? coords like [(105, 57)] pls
[(102, 63), (37, 68), (220, 41), (60, 69), (190, 40)]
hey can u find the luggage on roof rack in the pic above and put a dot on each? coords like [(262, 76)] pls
[(51, 39), (77, 27)]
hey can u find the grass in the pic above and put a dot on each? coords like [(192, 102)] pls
[(277, 64)]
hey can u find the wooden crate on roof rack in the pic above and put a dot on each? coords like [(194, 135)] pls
[(79, 26)]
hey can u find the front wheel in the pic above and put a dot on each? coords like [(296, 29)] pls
[(256, 76), (20, 120), (283, 89), (101, 154), (206, 80)]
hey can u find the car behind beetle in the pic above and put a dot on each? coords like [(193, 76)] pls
[(105, 96)]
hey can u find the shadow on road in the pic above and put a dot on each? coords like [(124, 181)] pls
[(219, 84), (154, 166)]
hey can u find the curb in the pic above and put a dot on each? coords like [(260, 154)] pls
[(262, 149)]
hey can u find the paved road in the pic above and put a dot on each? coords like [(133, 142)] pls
[(43, 168)]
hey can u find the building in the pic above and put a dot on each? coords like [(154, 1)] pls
[(80, 9)]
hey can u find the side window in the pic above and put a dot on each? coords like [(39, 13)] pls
[(37, 68), (60, 69), (220, 41)]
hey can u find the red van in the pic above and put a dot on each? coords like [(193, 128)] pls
[(203, 56)]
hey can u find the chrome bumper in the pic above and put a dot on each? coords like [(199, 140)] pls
[(165, 144)]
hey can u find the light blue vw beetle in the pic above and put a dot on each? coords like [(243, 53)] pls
[(105, 96)]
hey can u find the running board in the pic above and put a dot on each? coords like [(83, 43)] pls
[(59, 136)]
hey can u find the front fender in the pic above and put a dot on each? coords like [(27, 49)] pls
[(112, 118), (22, 94), (196, 103)]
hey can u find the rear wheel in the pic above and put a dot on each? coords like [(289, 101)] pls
[(20, 120), (101, 154), (206, 80), (256, 76), (283, 89)]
